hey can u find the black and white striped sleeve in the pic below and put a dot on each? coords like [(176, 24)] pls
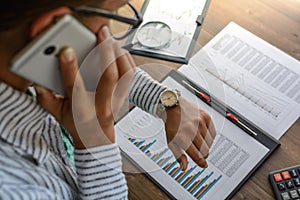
[(144, 91), (99, 171)]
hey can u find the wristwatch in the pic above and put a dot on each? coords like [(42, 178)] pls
[(167, 100)]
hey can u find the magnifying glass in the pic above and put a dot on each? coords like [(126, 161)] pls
[(154, 35)]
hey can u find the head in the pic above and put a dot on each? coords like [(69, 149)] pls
[(22, 20)]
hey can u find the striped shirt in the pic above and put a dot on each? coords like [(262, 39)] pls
[(34, 164), (144, 92)]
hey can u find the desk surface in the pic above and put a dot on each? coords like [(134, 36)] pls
[(277, 22)]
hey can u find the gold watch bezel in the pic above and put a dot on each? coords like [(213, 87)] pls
[(169, 98)]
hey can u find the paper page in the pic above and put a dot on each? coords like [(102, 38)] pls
[(258, 80), (233, 155), (181, 17)]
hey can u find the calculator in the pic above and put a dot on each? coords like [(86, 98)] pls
[(286, 183)]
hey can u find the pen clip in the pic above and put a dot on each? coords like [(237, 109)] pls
[(204, 96), (235, 119), (232, 117), (229, 115)]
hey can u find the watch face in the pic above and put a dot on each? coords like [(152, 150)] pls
[(169, 98)]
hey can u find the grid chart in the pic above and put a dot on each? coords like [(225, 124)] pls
[(193, 182)]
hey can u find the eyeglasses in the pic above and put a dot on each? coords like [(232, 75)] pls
[(120, 25)]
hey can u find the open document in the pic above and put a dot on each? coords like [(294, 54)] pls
[(235, 154), (258, 80), (184, 19)]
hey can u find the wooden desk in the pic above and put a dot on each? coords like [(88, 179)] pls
[(277, 22)]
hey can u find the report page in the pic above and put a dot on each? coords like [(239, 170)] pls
[(250, 75), (233, 155)]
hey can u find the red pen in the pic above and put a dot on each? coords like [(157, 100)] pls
[(233, 118), (204, 96)]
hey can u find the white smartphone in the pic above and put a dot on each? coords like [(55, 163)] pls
[(38, 61)]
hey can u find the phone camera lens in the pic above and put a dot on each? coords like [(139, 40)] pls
[(49, 50)]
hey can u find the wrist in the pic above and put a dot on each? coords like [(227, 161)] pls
[(92, 140), (93, 135)]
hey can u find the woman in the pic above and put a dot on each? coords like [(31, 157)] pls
[(34, 163)]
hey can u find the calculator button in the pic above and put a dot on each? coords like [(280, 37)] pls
[(289, 184), (281, 186), (294, 173), (297, 182), (294, 194), (277, 177), (286, 183), (285, 196), (286, 175)]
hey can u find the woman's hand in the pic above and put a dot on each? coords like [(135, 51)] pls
[(189, 129), (89, 116)]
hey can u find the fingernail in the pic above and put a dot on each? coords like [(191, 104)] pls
[(68, 55), (202, 161), (181, 165), (39, 90)]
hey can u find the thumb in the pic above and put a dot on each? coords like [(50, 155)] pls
[(49, 101)]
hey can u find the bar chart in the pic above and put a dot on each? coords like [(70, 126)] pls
[(195, 180), (232, 157)]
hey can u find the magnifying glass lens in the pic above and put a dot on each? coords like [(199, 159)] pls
[(155, 35)]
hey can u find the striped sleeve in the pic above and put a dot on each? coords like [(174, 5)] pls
[(144, 91), (99, 171), (17, 191)]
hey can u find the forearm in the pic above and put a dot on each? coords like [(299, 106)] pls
[(144, 91), (99, 171)]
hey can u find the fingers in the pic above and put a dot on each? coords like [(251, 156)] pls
[(125, 64), (113, 52), (208, 138), (130, 59), (179, 155), (109, 74), (78, 99), (201, 134), (210, 135), (195, 134), (207, 131), (203, 140), (192, 151), (196, 156), (116, 76), (125, 68), (105, 49), (49, 101), (209, 124), (212, 129), (115, 58), (183, 161), (121, 90), (69, 70), (201, 144)]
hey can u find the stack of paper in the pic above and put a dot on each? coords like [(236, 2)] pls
[(253, 77)]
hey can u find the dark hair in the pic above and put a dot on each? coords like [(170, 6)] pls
[(14, 12)]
